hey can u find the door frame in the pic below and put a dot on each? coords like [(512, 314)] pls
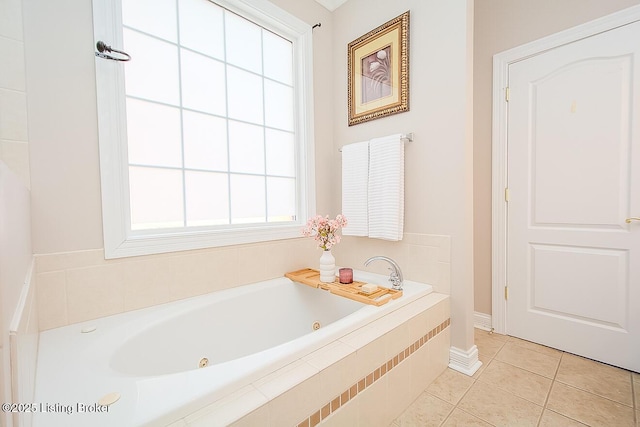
[(499, 178)]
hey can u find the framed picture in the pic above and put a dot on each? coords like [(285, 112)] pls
[(378, 72)]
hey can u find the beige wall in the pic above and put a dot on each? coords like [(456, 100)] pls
[(501, 25), (438, 163)]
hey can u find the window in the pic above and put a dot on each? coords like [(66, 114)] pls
[(206, 134)]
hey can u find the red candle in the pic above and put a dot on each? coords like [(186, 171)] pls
[(346, 275)]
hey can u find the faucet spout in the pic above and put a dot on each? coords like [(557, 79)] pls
[(395, 277)]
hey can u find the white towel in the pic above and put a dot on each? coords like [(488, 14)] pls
[(355, 177), (386, 188)]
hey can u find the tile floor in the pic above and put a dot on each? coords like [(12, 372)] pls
[(525, 384)]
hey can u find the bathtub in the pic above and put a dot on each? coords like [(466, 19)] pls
[(169, 361)]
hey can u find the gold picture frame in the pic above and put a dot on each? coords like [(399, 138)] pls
[(378, 72)]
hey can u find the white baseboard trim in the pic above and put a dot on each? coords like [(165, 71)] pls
[(466, 362), (482, 321)]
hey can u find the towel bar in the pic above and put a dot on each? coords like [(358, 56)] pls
[(406, 137)]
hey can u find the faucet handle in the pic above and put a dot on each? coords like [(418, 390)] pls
[(394, 278), (396, 274)]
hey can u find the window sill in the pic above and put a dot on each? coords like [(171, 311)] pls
[(137, 245)]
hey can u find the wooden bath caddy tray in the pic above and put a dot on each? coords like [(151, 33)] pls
[(311, 277)]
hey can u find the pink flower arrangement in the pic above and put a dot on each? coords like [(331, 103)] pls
[(324, 230)]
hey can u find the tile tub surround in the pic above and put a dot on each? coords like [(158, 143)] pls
[(424, 258), (80, 286), (14, 132), (523, 383), (367, 377), (368, 380)]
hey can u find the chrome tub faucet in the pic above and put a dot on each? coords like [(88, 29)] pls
[(396, 273)]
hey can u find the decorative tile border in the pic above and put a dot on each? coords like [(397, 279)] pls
[(340, 400)]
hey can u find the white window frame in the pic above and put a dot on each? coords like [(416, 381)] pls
[(119, 239)]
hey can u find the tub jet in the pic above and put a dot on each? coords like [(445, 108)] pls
[(203, 363), (109, 399)]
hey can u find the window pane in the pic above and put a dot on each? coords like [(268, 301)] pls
[(163, 177), (278, 104), (201, 27), (157, 17), (280, 153), (244, 46), (156, 198), (202, 83), (245, 95), (153, 72), (281, 196), (153, 132), (247, 199), (205, 141), (278, 58), (246, 148), (207, 198)]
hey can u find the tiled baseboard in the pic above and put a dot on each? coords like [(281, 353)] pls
[(368, 380)]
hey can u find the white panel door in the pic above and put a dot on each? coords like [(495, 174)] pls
[(573, 262)]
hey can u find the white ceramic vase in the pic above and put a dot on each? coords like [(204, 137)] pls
[(327, 267)]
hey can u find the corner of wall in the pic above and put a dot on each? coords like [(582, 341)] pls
[(15, 260), (24, 335)]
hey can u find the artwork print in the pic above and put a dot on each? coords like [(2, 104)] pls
[(378, 72), (377, 75)]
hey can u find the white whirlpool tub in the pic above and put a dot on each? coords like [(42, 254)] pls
[(151, 357)]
